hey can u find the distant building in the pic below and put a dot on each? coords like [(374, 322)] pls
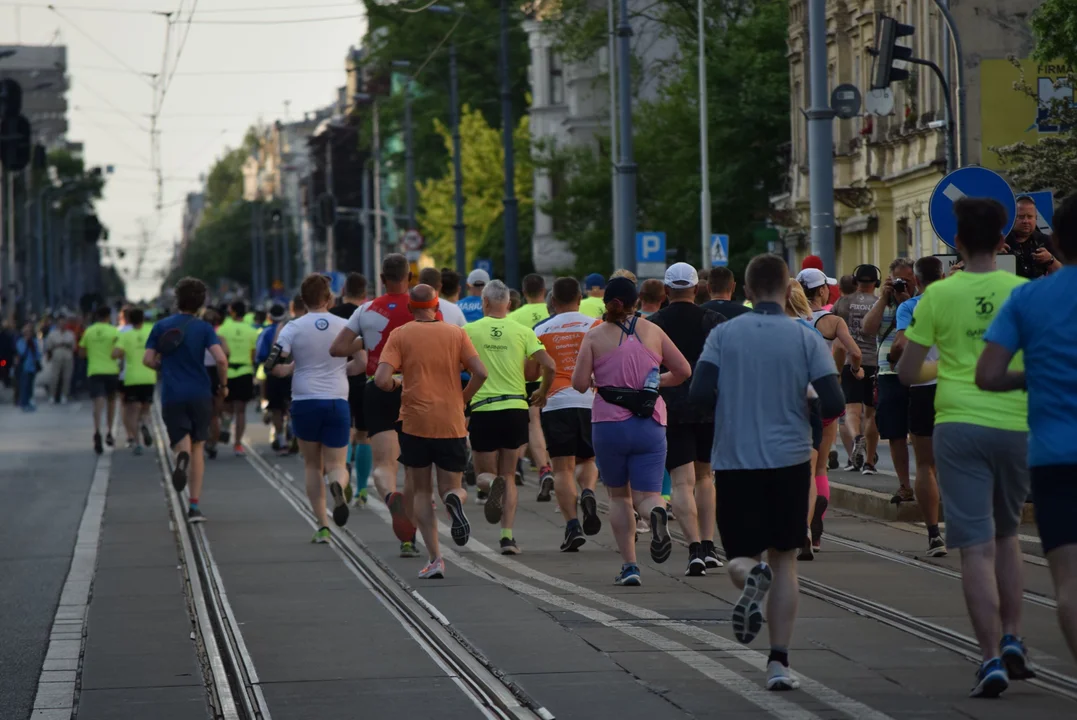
[(41, 71)]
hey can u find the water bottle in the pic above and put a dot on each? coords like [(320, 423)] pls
[(651, 383)]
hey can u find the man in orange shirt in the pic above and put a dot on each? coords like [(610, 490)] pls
[(428, 354)]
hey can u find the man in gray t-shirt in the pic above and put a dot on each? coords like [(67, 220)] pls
[(860, 392)]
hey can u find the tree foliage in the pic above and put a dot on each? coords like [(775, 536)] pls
[(1054, 24)]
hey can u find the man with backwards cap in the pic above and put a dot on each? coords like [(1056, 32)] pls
[(472, 304), (594, 286)]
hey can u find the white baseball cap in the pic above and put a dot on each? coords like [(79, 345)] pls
[(812, 278), (681, 275), (478, 277)]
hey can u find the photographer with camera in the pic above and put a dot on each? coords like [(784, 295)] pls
[(1028, 244)]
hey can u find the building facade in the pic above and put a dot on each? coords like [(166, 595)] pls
[(41, 71), (886, 166)]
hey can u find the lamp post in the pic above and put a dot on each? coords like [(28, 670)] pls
[(511, 207), (820, 140), (626, 168), (704, 153)]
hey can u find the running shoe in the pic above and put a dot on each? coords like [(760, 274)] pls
[(1015, 658), (860, 451), (340, 505), (495, 501), (807, 551), (780, 677), (710, 555), (991, 680), (147, 436), (868, 469), (402, 527), (545, 485), (481, 496), (137, 450), (832, 460), (238, 450), (661, 543), (748, 612), (293, 448), (361, 498), (591, 522), (509, 546), (130, 442), (697, 566), (194, 515), (902, 495), (408, 550), (97, 446), (520, 472), (321, 537), (850, 467), (461, 528), (629, 576), (574, 539), (211, 452), (179, 474), (110, 441), (434, 570), (641, 526), (936, 547), (349, 491), (224, 436)]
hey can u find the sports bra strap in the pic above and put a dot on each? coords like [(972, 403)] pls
[(628, 331)]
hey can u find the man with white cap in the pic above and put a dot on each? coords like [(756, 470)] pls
[(689, 430), (472, 304)]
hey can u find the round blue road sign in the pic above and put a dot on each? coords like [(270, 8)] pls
[(974, 182)]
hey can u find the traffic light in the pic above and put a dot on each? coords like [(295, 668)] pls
[(887, 51)]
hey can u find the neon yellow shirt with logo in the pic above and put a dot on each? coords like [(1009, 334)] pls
[(241, 339), (593, 307), (530, 315), (953, 315), (503, 346), (98, 341), (133, 344)]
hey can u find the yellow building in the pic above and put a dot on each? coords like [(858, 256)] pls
[(885, 167)]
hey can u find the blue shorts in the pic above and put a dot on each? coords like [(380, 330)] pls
[(630, 452), (322, 421)]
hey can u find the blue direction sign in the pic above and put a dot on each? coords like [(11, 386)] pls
[(968, 182), (485, 264), (650, 254), (719, 250)]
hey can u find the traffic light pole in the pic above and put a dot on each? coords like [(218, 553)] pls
[(457, 176), (962, 117), (512, 262), (950, 144), (820, 142)]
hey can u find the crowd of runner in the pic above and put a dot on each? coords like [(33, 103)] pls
[(686, 405)]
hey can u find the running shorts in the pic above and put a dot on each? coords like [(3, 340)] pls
[(494, 430), (568, 433), (859, 391), (531, 387), (448, 454), (1054, 491), (381, 410), (984, 481), (187, 418), (690, 443), (922, 410), (103, 385), (630, 452), (138, 394), (760, 510), (278, 392), (322, 421), (892, 412), (241, 389), (214, 379), (356, 390)]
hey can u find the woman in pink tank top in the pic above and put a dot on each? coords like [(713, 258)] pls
[(625, 356)]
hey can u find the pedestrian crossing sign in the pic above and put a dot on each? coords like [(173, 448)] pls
[(719, 250)]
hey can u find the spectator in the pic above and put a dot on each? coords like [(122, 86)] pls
[(720, 287), (27, 365), (1028, 244), (60, 350)]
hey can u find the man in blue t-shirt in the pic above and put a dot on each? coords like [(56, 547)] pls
[(1039, 319), (471, 305), (176, 348)]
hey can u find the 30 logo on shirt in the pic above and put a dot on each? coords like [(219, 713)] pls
[(496, 332), (984, 306)]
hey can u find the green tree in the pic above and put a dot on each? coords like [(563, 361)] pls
[(1054, 25)]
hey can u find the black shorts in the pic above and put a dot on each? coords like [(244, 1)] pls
[(922, 410), (214, 379), (187, 418), (892, 413), (356, 390), (859, 391), (138, 394), (568, 433), (690, 443), (761, 510), (448, 454), (493, 430), (1054, 492), (241, 389), (278, 393), (103, 385), (381, 410), (531, 387)]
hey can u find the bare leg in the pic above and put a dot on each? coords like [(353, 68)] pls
[(196, 473), (241, 422), (926, 487), (506, 466), (623, 522), (705, 501), (899, 453), (385, 447), (420, 481), (111, 410), (685, 501), (564, 482), (130, 421), (536, 441), (1063, 563), (1010, 577), (312, 472), (846, 433), (98, 412), (782, 600), (587, 474), (980, 584), (871, 434)]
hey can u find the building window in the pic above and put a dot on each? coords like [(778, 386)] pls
[(557, 79)]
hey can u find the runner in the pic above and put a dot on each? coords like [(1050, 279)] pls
[(241, 337), (369, 328), (754, 371), (860, 392), (319, 393), (1050, 356), (720, 288), (176, 349), (689, 431), (595, 287), (472, 304), (452, 314), (981, 440), (139, 381), (624, 354), (102, 373), (360, 457), (428, 354), (213, 317), (529, 315), (566, 417), (652, 295), (499, 411), (278, 390)]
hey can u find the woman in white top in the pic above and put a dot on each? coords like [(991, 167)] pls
[(321, 417)]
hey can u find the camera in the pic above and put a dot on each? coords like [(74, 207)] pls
[(901, 286)]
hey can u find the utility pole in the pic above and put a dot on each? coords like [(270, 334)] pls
[(377, 194), (626, 169), (255, 274), (40, 298), (277, 239), (611, 52), (820, 141), (11, 270), (458, 177), (962, 153), (704, 151), (512, 240), (369, 263), (330, 234)]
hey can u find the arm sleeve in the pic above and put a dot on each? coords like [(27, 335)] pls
[(287, 335), (921, 328), (703, 392), (831, 397), (1005, 329), (904, 315)]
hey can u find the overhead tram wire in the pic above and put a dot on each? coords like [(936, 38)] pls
[(136, 11), (74, 26)]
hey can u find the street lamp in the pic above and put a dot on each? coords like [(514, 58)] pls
[(704, 153), (626, 168)]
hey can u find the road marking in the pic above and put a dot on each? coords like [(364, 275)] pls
[(56, 684)]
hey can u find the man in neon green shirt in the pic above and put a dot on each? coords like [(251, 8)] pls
[(242, 338), (530, 315), (499, 411), (594, 286), (981, 440), (102, 372), (138, 380)]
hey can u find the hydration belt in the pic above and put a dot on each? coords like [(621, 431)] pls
[(496, 399), (639, 402)]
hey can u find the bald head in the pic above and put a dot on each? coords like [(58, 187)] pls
[(422, 293), (420, 296)]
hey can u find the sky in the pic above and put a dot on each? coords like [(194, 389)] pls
[(242, 62)]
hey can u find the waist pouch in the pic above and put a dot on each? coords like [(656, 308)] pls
[(497, 399), (639, 402)]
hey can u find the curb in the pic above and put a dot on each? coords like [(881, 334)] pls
[(877, 505)]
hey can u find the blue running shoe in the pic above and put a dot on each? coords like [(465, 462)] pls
[(1015, 658), (991, 680), (629, 576)]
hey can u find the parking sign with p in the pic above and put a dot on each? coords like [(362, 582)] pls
[(650, 254)]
